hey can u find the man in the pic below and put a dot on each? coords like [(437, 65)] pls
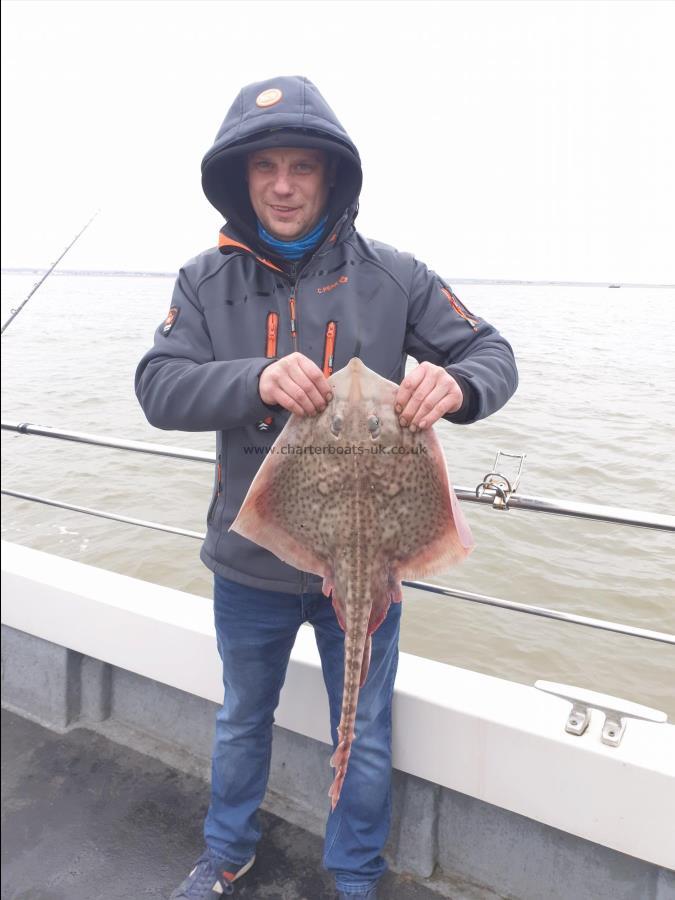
[(256, 326)]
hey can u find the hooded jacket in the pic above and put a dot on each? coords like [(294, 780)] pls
[(236, 308)]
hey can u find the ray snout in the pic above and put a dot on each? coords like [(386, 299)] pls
[(356, 371), (355, 382)]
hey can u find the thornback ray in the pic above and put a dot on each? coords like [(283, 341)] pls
[(351, 496)]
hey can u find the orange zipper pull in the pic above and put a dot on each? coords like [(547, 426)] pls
[(272, 335), (329, 349)]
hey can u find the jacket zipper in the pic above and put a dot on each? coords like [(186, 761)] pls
[(219, 487), (271, 336), (294, 327), (329, 349), (291, 305), (460, 309), (304, 576)]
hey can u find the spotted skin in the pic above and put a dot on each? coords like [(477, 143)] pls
[(352, 496)]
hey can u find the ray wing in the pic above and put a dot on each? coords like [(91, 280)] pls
[(423, 529), (288, 508)]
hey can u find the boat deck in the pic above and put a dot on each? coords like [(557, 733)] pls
[(84, 818)]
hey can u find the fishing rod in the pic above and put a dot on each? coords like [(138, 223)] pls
[(15, 312)]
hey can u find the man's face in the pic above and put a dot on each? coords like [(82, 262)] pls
[(288, 187)]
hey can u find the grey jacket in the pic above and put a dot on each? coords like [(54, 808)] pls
[(231, 315)]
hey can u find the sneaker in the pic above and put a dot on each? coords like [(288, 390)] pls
[(208, 880), (370, 894)]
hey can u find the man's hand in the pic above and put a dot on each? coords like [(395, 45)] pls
[(425, 395), (296, 383)]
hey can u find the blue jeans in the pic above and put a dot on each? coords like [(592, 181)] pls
[(256, 630)]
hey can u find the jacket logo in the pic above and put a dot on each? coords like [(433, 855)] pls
[(268, 98), (331, 287), (460, 309), (170, 320)]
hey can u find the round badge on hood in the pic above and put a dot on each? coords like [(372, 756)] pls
[(282, 112), (268, 97)]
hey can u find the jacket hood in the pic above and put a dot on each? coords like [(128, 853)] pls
[(287, 111)]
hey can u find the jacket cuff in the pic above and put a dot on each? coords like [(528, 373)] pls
[(254, 386), (469, 408), (274, 408)]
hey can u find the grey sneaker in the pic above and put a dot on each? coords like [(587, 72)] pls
[(209, 880)]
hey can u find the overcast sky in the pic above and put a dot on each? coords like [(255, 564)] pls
[(526, 140)]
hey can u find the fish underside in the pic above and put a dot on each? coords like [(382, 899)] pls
[(352, 496)]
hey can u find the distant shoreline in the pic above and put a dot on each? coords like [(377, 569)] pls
[(99, 273)]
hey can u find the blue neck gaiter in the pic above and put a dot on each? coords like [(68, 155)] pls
[(293, 250)]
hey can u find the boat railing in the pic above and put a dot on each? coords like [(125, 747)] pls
[(495, 490)]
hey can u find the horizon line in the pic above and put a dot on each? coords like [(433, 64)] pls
[(494, 281)]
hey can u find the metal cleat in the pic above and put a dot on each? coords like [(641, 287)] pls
[(616, 710)]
